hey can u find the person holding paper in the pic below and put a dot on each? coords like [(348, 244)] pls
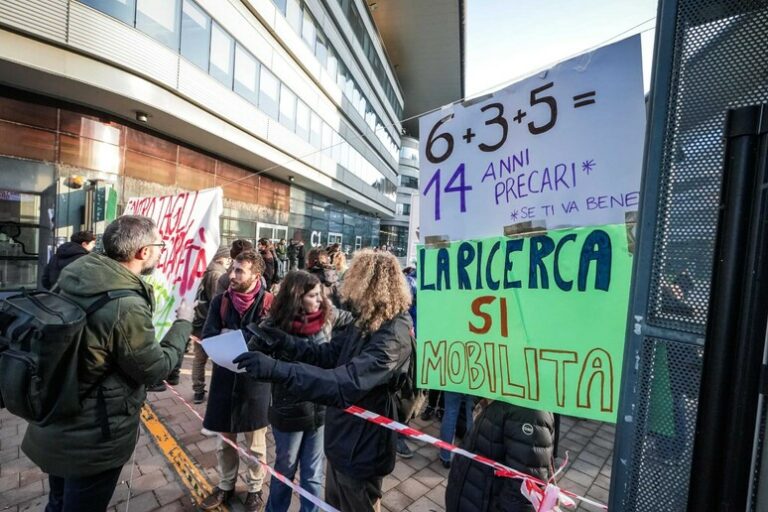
[(365, 364), (236, 403), (301, 309)]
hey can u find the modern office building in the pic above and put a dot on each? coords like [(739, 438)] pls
[(291, 106), (395, 232)]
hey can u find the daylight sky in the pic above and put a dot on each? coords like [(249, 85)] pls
[(511, 39)]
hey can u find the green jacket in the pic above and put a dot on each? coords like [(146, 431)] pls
[(120, 351)]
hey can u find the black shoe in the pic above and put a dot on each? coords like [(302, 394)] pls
[(403, 450), (173, 378), (446, 463), (439, 414), (254, 502), (198, 398), (428, 413), (156, 388), (216, 499)]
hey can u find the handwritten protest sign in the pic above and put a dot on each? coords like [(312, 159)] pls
[(559, 149), (538, 321), (189, 225)]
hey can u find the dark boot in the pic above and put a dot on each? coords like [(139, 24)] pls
[(254, 502), (217, 498)]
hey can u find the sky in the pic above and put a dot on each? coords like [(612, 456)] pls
[(507, 40)]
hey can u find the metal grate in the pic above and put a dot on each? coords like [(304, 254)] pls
[(666, 419), (721, 62)]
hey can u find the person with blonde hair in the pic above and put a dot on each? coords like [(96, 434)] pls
[(340, 264), (365, 365)]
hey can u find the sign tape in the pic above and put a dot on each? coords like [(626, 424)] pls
[(296, 488)]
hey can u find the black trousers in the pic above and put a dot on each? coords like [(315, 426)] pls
[(91, 493), (352, 494)]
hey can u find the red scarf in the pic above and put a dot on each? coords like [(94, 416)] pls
[(242, 301), (307, 325)]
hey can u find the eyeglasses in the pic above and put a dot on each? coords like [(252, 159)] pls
[(158, 244)]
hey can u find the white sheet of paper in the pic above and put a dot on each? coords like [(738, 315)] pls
[(222, 349)]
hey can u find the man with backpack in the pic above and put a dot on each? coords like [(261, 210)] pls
[(80, 244), (237, 403), (83, 454)]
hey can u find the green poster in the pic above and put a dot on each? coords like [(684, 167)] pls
[(538, 321), (111, 205)]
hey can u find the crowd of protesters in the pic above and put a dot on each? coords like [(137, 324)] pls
[(323, 333)]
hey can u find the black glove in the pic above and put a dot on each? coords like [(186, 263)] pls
[(256, 364), (264, 339)]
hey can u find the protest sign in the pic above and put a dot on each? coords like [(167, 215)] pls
[(189, 225), (559, 149), (538, 321)]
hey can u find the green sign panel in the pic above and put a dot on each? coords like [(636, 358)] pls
[(538, 321)]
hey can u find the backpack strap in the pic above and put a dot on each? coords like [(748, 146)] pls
[(108, 297)]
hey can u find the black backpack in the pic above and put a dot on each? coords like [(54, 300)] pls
[(408, 397), (41, 335)]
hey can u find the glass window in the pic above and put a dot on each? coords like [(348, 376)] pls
[(222, 53), (308, 29), (327, 139), (123, 10), (315, 128), (195, 34), (336, 149), (287, 108), (302, 120), (246, 75), (293, 15), (321, 49), (280, 4), (269, 93), (409, 182), (332, 64), (159, 20)]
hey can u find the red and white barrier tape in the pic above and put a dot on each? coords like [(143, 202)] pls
[(296, 488), (530, 484)]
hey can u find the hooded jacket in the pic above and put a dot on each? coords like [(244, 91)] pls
[(520, 438), (119, 357), (65, 254)]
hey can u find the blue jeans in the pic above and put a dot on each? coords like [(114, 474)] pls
[(86, 493), (292, 449), (451, 415)]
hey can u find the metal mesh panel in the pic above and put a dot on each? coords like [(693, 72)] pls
[(720, 63), (666, 419)]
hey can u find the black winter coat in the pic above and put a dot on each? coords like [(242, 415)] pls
[(353, 369), (520, 438), (65, 254), (236, 403), (290, 413)]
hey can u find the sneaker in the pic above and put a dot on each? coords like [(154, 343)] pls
[(439, 414), (428, 413), (198, 398), (157, 388), (403, 450), (254, 502), (207, 433), (217, 498)]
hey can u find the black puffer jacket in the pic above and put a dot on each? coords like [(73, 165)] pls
[(520, 438), (65, 254), (290, 413), (353, 369), (236, 403)]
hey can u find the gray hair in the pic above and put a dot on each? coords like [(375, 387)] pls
[(126, 235)]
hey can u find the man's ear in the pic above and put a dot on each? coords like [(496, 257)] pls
[(142, 254)]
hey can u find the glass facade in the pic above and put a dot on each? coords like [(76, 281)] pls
[(238, 70), (396, 239)]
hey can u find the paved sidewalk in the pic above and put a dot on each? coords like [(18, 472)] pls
[(415, 485)]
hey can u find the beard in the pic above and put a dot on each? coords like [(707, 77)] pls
[(146, 271), (242, 287)]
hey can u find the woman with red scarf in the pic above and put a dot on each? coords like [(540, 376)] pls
[(300, 309)]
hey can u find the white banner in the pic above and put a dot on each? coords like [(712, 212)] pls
[(189, 225), (560, 149)]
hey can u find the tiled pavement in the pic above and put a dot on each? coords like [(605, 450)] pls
[(415, 485)]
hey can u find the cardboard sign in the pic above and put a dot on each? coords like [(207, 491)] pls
[(189, 225), (538, 321), (560, 149)]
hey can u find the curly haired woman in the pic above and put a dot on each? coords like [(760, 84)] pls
[(300, 309), (362, 365)]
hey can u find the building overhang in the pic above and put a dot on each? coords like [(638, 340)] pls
[(425, 43)]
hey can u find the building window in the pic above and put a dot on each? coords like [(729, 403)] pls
[(321, 49), (123, 10), (222, 53), (280, 4), (315, 128), (269, 93), (159, 20), (287, 108), (195, 34), (308, 30), (302, 120), (246, 75), (403, 209), (293, 14), (409, 181)]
